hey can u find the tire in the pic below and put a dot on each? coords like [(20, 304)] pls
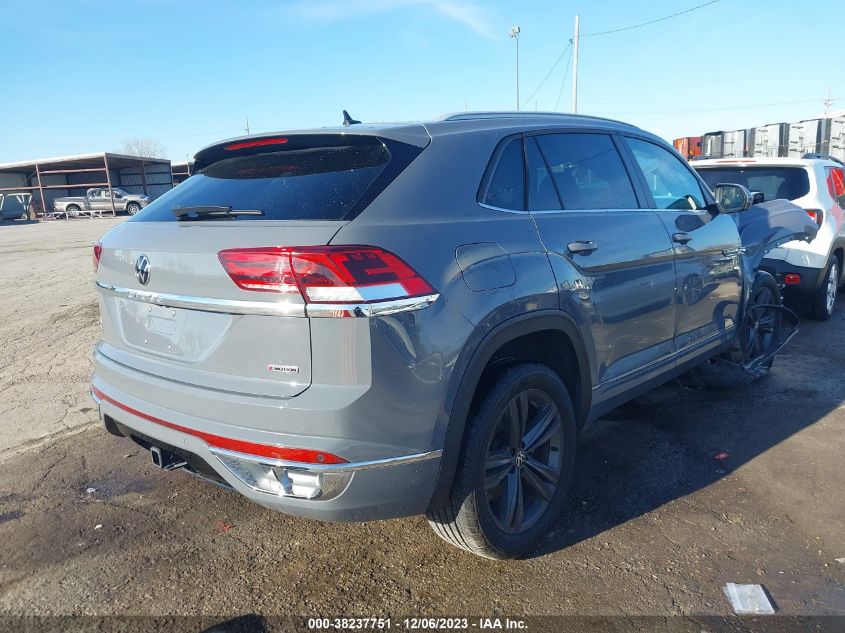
[(495, 508), (824, 299), (132, 208), (726, 371), (72, 210)]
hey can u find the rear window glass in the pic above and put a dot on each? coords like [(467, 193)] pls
[(318, 183), (774, 183), (505, 186), (588, 171)]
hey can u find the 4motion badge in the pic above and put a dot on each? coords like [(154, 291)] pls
[(283, 369)]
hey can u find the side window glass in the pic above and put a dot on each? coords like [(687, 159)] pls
[(836, 184), (541, 190), (505, 187), (672, 184), (588, 171)]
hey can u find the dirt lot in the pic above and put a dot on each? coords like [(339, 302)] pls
[(656, 523)]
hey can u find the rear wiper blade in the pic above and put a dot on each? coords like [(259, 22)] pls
[(212, 212)]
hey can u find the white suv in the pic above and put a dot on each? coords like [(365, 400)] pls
[(810, 273)]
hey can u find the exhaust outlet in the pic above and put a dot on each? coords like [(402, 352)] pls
[(164, 459)]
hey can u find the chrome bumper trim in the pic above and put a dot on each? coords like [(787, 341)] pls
[(377, 308), (328, 468), (227, 306), (269, 308)]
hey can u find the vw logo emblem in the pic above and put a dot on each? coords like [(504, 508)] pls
[(142, 270)]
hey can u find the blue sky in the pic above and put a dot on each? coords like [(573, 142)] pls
[(85, 75)]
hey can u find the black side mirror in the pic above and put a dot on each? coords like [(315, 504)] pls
[(733, 198), (757, 197)]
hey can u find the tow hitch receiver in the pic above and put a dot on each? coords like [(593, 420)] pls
[(164, 459)]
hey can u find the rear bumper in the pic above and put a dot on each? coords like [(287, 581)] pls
[(362, 490), (811, 278)]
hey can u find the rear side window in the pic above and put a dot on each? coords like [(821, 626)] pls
[(672, 184), (836, 184), (301, 183), (775, 183), (587, 171), (504, 186)]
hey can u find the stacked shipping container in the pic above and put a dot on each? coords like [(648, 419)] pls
[(814, 136)]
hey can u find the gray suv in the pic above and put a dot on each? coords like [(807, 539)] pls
[(375, 321)]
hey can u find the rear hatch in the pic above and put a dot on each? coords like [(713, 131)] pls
[(169, 306)]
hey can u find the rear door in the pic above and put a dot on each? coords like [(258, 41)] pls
[(706, 245), (170, 308), (612, 259)]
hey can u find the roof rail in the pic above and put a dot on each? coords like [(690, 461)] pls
[(816, 155), (512, 114)]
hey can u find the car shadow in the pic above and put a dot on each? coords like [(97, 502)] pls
[(677, 440)]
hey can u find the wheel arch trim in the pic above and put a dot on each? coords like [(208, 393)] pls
[(468, 371)]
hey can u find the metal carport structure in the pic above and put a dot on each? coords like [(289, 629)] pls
[(50, 178)]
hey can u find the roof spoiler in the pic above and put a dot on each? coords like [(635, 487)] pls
[(812, 155)]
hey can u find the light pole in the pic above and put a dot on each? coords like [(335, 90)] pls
[(514, 33), (576, 41)]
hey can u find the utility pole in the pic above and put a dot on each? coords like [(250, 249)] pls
[(514, 33), (575, 64), (246, 129), (827, 103)]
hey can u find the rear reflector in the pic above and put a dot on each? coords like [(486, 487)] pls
[(325, 274), (792, 279), (98, 250), (303, 455), (260, 142), (816, 215)]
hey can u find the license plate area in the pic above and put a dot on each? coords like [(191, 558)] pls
[(178, 333)]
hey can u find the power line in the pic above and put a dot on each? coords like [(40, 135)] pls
[(565, 75), (548, 74), (666, 17), (741, 107)]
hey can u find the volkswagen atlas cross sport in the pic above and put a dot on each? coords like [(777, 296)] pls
[(374, 321)]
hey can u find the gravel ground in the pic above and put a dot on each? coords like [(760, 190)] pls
[(656, 524), (49, 320)]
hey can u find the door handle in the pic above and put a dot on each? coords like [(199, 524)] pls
[(582, 247), (681, 238)]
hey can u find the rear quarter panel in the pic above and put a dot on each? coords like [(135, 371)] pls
[(426, 216)]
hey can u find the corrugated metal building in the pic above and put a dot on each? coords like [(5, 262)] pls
[(182, 171), (50, 178)]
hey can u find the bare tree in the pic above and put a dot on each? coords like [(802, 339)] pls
[(144, 147)]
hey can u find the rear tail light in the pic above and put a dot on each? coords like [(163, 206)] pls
[(261, 269), (98, 250), (325, 274), (792, 279), (816, 215)]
